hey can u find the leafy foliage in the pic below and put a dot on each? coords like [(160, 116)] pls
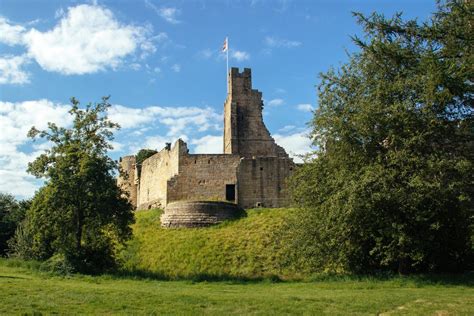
[(392, 184), (141, 156), (144, 154), (80, 215), (12, 213)]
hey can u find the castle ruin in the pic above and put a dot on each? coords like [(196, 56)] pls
[(251, 172)]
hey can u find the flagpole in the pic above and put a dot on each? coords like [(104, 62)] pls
[(227, 51)]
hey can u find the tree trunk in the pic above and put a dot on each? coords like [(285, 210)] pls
[(403, 266), (80, 221)]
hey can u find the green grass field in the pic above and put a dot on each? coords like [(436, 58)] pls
[(25, 290), (230, 268)]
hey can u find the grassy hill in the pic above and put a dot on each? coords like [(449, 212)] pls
[(248, 248)]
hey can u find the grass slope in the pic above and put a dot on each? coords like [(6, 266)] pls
[(250, 247), (27, 291)]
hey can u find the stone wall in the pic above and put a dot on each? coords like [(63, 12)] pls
[(198, 213), (262, 182), (154, 175), (203, 177), (127, 181)]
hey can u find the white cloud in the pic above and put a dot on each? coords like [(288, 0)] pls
[(306, 107), (295, 144), (15, 120), (87, 39), (275, 42), (208, 145), (169, 14), (176, 68), (135, 66), (116, 146), (166, 124), (149, 46), (159, 142), (276, 102), (10, 34), (286, 128), (239, 55), (155, 142), (176, 119), (11, 71)]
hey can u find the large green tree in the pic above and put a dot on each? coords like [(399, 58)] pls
[(80, 213), (392, 183)]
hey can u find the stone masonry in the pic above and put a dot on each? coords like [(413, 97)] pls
[(251, 172)]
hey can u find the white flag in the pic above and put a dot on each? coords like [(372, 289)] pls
[(225, 47)]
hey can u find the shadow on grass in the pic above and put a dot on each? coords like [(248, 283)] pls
[(461, 279), (417, 280), (199, 277)]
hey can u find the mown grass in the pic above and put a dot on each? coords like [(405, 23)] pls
[(24, 289), (248, 248)]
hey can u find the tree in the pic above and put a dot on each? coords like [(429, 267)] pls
[(392, 184), (144, 154), (12, 213), (141, 156), (80, 213)]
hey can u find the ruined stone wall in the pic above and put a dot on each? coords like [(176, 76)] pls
[(262, 182), (203, 177), (126, 181), (244, 131), (155, 172)]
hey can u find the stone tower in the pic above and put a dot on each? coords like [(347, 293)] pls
[(127, 180), (245, 134)]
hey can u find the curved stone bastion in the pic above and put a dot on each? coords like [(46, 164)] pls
[(199, 213)]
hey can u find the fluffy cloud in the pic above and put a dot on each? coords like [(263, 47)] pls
[(86, 40), (11, 71), (239, 55), (10, 34), (276, 102), (208, 145), (177, 120), (306, 107), (16, 119), (166, 124), (296, 144), (275, 42)]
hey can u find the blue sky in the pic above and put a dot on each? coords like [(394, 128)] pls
[(160, 62)]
